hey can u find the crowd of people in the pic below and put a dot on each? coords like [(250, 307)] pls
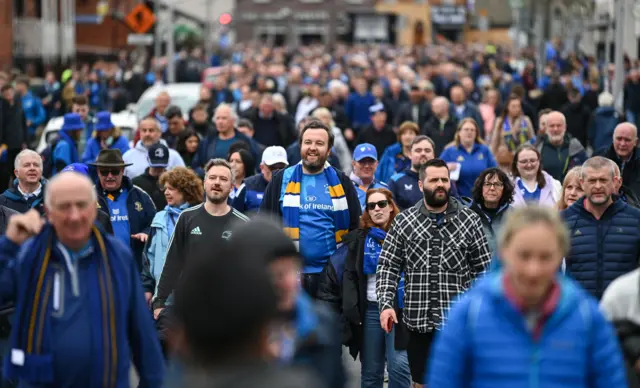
[(438, 213)]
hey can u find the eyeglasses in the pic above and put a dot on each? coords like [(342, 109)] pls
[(112, 171), (381, 204), (528, 161), (496, 185)]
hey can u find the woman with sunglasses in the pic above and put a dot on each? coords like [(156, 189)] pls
[(348, 283), (532, 184)]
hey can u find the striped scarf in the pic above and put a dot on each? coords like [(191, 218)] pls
[(515, 139), (291, 204), (31, 356)]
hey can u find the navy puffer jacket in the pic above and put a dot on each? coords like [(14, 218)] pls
[(602, 250)]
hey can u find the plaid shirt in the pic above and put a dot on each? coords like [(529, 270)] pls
[(440, 259)]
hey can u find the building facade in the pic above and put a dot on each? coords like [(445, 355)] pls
[(307, 21), (6, 31)]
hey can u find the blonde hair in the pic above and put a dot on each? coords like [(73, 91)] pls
[(573, 174), (478, 140), (322, 113), (523, 217)]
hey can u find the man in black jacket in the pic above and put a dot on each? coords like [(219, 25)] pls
[(416, 110), (271, 127), (158, 161), (578, 117), (624, 153), (14, 135), (319, 211)]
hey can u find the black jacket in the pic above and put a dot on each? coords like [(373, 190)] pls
[(14, 124), (271, 200), (5, 213), (285, 125), (406, 114), (631, 170), (151, 186), (578, 117), (629, 337), (381, 139), (343, 285), (440, 137)]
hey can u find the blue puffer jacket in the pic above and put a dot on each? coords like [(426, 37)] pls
[(486, 343), (602, 250), (604, 121), (392, 162)]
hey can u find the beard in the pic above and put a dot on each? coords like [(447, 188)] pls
[(317, 166), (432, 199), (217, 198)]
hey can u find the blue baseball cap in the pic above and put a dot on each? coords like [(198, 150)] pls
[(365, 150), (80, 168)]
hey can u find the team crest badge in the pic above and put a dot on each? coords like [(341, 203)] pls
[(138, 206)]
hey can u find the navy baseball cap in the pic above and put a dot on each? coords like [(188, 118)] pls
[(365, 150), (158, 155)]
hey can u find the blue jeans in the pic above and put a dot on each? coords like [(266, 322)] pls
[(376, 346)]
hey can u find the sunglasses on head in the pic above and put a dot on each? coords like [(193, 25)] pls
[(381, 204), (107, 171)]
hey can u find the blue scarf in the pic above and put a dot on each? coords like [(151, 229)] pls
[(514, 140), (172, 216), (164, 123), (72, 145), (291, 204), (372, 248), (32, 330)]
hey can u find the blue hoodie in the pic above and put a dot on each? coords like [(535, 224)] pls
[(33, 111), (603, 123), (392, 162), (357, 109), (486, 343)]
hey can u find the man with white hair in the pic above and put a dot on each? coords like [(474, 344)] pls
[(625, 154), (137, 157), (603, 122), (27, 190), (80, 315), (559, 152), (441, 127), (216, 144)]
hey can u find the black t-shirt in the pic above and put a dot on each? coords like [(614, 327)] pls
[(196, 233)]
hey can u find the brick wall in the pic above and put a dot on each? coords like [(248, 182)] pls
[(6, 32), (108, 37)]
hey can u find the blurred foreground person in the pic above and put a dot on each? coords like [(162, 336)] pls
[(306, 332), (234, 351), (506, 332), (81, 318)]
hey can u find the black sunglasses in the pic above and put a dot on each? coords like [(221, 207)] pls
[(112, 171), (381, 204)]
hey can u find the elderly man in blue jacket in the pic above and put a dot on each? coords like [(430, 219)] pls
[(605, 233), (80, 318), (130, 208)]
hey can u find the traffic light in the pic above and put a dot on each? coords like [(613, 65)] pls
[(225, 19)]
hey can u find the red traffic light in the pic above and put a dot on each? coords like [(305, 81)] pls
[(225, 19)]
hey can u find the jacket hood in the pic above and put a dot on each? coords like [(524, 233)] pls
[(571, 294), (140, 147), (392, 150)]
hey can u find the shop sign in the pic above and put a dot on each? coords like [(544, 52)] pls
[(449, 14)]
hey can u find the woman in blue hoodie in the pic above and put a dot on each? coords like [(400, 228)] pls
[(106, 135), (182, 189), (527, 325)]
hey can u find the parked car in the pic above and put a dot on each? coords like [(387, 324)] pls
[(126, 121), (184, 95)]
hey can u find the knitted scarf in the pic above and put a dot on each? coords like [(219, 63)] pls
[(514, 140), (172, 216), (291, 204), (72, 146), (31, 355)]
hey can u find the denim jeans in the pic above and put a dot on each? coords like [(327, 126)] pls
[(378, 346)]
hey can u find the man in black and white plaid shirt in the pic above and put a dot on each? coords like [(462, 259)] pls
[(442, 248)]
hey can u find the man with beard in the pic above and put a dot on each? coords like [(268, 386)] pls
[(605, 242), (317, 203), (559, 151), (199, 227), (404, 185), (441, 246)]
